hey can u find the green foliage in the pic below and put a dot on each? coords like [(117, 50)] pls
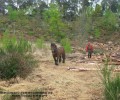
[(69, 12), (13, 14), (66, 44), (14, 45), (97, 33), (53, 18), (109, 21), (111, 84), (52, 13), (97, 12), (94, 21), (15, 64), (89, 11), (40, 43), (31, 33), (16, 58)]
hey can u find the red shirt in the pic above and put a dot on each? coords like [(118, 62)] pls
[(89, 47)]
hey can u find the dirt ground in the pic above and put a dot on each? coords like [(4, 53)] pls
[(65, 84)]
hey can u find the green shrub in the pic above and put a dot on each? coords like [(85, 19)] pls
[(15, 64), (109, 21), (111, 84), (66, 44), (16, 57)]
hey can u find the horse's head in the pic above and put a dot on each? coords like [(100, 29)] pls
[(53, 48)]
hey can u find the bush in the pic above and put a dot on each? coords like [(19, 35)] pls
[(66, 44), (16, 58), (15, 64), (109, 21), (111, 84)]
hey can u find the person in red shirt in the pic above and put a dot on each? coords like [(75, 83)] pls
[(89, 49)]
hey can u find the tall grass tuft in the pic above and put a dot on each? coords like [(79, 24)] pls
[(111, 83), (66, 44)]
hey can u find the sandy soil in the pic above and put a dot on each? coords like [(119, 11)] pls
[(65, 84)]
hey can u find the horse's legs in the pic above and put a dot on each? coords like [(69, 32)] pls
[(59, 59), (63, 57), (56, 61)]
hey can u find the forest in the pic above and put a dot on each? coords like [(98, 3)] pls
[(29, 28)]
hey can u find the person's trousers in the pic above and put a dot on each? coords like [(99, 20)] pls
[(89, 54)]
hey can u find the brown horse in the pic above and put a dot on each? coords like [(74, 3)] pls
[(58, 53)]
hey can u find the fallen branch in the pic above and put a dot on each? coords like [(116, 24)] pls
[(89, 69), (114, 63), (82, 69)]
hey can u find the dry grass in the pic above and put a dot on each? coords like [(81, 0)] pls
[(65, 84)]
